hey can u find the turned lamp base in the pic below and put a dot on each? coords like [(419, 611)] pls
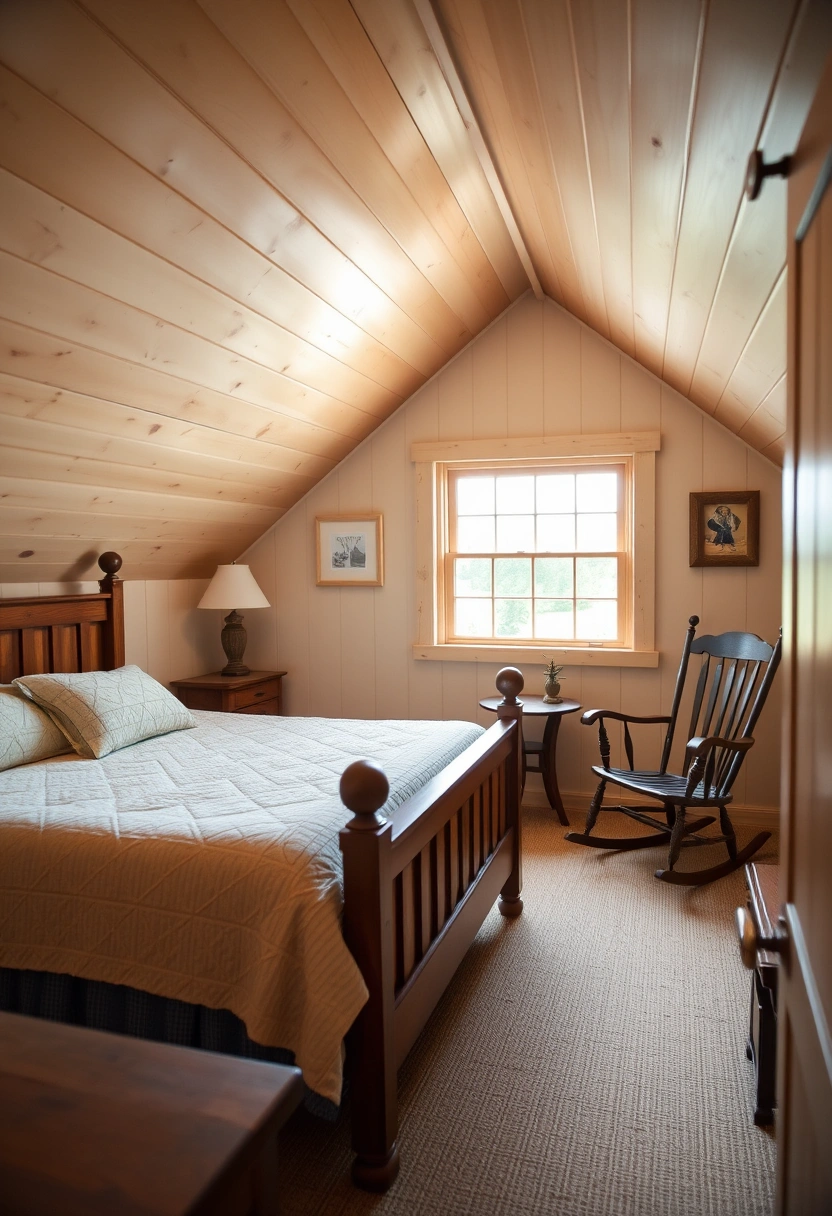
[(234, 640)]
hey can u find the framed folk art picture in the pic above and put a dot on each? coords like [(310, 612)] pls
[(725, 528), (350, 551)]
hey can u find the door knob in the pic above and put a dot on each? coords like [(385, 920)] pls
[(752, 940)]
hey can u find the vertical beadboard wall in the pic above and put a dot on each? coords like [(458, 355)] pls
[(163, 631), (535, 371)]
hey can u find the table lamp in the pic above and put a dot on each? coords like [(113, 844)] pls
[(233, 585)]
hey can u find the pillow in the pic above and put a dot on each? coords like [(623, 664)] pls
[(102, 711), (26, 732)]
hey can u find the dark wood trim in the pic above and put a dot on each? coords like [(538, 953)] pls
[(58, 633), (416, 891)]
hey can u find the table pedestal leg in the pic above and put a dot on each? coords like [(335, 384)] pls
[(548, 766)]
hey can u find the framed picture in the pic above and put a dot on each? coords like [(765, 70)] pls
[(349, 550), (725, 528)]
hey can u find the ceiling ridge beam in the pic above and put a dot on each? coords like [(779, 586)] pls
[(444, 57)]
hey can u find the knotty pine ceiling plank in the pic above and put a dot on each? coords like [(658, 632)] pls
[(729, 114), (39, 229), (767, 425), (63, 364), (64, 549), (762, 363), (352, 61), (208, 166), (33, 294), (664, 59), (532, 47), (239, 142), (162, 437), (165, 511), (468, 35), (20, 460), (50, 522), (602, 46), (216, 476), (337, 308), (400, 41), (757, 251), (410, 209)]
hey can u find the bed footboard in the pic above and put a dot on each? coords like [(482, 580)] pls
[(416, 891)]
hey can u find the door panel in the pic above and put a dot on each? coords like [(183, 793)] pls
[(805, 997)]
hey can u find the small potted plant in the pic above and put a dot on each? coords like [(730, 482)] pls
[(551, 692)]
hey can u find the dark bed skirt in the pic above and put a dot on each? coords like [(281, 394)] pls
[(122, 1010)]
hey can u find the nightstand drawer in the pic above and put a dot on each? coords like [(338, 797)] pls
[(262, 707), (269, 690)]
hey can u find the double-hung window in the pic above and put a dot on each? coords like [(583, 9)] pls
[(540, 548), (538, 553)]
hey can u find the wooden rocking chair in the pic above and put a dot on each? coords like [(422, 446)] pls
[(734, 679)]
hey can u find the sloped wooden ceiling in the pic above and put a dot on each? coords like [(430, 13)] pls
[(236, 234)]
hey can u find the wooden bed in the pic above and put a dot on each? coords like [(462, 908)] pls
[(416, 887)]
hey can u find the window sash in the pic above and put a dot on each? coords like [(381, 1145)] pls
[(622, 554)]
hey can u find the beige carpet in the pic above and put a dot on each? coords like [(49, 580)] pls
[(587, 1060)]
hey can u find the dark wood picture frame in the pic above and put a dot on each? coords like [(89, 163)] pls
[(713, 520)]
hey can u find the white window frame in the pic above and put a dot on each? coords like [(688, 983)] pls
[(433, 460)]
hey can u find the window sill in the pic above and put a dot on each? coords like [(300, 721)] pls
[(578, 656)]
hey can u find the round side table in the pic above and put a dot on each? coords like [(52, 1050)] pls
[(536, 707)]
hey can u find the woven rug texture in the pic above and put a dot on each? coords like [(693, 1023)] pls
[(588, 1058)]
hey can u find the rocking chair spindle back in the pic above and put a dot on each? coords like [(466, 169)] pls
[(734, 679)]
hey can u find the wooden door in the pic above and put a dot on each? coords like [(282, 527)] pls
[(804, 1127)]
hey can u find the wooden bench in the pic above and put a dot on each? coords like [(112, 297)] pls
[(94, 1124), (761, 1049)]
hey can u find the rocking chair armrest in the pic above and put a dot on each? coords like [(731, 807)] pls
[(591, 716), (701, 745), (697, 751)]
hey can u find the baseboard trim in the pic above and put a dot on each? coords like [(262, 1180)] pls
[(575, 804)]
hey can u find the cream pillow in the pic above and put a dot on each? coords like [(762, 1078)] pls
[(102, 711), (26, 732)]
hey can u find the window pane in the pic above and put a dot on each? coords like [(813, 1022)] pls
[(556, 493), (556, 533), (596, 576), (512, 618), (596, 620), (512, 576), (553, 576), (472, 618), (472, 576), (515, 495), (475, 496), (475, 534), (515, 533), (553, 619), (597, 491), (597, 532)]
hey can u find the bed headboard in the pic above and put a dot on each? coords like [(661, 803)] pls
[(51, 633)]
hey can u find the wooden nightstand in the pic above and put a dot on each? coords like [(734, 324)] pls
[(257, 693)]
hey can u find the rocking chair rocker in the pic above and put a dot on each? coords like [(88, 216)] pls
[(734, 679)]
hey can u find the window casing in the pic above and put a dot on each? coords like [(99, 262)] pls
[(532, 547)]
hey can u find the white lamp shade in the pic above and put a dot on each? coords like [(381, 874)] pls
[(233, 587)]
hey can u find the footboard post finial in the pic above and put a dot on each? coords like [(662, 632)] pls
[(510, 683), (368, 932)]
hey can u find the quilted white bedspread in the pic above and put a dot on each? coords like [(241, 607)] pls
[(204, 865)]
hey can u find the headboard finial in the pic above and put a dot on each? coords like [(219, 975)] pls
[(110, 563)]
